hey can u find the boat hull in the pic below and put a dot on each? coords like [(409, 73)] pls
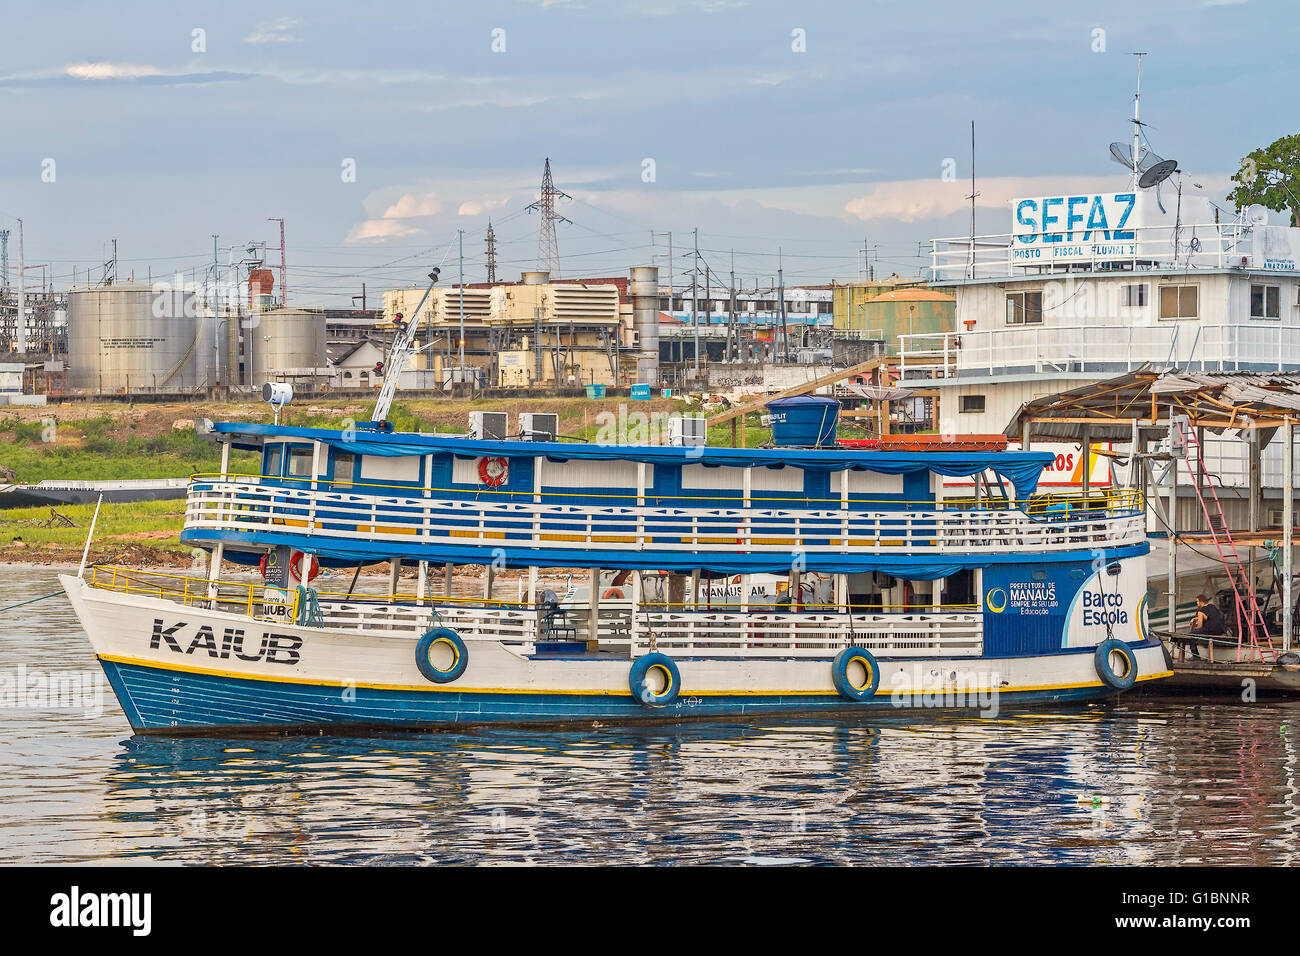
[(158, 700), (178, 669)]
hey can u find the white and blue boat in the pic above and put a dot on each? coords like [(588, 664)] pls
[(1005, 598)]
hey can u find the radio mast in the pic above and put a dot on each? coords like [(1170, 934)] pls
[(1137, 124)]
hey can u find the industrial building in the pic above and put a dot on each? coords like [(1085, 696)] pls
[(540, 332), (536, 332)]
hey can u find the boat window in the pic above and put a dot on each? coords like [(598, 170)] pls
[(299, 462), (972, 403), (271, 466), (382, 469), (344, 469)]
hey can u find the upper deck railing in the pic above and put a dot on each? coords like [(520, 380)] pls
[(246, 505), (1197, 246), (1265, 345)]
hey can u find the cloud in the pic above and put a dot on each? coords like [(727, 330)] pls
[(380, 230), (477, 207), (273, 31), (392, 222), (914, 200), (413, 205), (110, 71), (104, 73)]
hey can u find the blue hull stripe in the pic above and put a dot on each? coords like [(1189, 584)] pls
[(155, 699)]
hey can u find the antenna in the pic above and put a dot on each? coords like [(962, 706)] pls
[(548, 247), (970, 259), (284, 292), (1136, 155), (1147, 168)]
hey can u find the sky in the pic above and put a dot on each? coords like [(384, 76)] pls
[(791, 134)]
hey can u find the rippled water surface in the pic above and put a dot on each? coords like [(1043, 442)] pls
[(1149, 779)]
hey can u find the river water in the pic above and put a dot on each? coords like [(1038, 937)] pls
[(1148, 779)]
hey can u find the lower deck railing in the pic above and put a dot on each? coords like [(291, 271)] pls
[(713, 634), (813, 633)]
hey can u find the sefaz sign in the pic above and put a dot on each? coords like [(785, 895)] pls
[(182, 638), (1053, 228)]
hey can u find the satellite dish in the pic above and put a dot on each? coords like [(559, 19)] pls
[(1157, 172), (1152, 169), (1257, 215), (1122, 153)]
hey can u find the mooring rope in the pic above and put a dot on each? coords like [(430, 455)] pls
[(32, 601)]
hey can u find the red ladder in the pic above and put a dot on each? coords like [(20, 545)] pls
[(1250, 618)]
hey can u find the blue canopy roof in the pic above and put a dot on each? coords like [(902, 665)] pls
[(1021, 468)]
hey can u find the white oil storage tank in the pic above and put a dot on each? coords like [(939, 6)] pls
[(138, 338), (284, 344)]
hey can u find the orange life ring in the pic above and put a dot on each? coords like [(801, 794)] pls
[(493, 472), (616, 593), (295, 562), (295, 566)]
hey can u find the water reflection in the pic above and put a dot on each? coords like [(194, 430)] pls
[(1148, 780)]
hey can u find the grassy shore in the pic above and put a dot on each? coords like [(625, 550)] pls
[(144, 532), (112, 441), (87, 442)]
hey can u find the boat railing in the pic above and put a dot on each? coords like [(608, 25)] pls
[(244, 504), (810, 633), (686, 630), (188, 591), (1116, 343), (1080, 504), (398, 615), (1216, 245)]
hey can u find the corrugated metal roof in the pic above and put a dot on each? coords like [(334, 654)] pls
[(1218, 401)]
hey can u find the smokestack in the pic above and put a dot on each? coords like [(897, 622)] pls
[(536, 278), (643, 288), (260, 284)]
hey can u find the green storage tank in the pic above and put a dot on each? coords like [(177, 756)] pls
[(910, 312)]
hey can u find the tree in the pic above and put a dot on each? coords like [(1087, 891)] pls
[(1271, 177)]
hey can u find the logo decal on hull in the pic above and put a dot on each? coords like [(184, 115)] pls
[(273, 649)]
